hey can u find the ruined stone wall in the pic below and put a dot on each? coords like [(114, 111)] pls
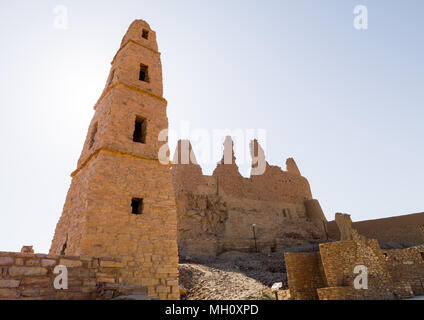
[(407, 264), (217, 213), (406, 229), (339, 260), (329, 274), (391, 274), (31, 277)]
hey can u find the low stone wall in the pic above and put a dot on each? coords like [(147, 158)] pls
[(336, 293), (31, 277)]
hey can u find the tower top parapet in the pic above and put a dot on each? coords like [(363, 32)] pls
[(140, 32)]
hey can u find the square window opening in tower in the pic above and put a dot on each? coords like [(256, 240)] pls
[(137, 206), (145, 34), (144, 73), (140, 130)]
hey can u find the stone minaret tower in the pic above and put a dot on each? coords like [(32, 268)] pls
[(121, 201)]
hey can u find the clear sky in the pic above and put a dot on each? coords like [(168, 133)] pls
[(347, 104)]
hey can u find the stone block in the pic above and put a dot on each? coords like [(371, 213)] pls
[(70, 263), (9, 293), (9, 283), (27, 271), (6, 261), (32, 263), (111, 264), (48, 263), (106, 280)]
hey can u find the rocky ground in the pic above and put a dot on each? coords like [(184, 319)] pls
[(232, 276), (240, 276)]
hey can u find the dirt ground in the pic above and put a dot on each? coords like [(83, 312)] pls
[(232, 276)]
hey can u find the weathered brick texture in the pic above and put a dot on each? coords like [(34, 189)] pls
[(392, 274), (115, 168), (31, 277)]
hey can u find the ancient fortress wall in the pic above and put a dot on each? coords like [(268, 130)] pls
[(31, 276), (217, 213), (406, 229)]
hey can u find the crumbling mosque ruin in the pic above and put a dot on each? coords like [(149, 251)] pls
[(223, 212), (129, 215)]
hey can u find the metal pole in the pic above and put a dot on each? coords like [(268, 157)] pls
[(254, 236)]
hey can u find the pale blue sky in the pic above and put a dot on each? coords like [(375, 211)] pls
[(346, 104)]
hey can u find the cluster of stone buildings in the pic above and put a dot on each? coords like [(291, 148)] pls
[(130, 214)]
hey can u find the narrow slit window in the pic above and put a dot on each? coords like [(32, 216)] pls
[(93, 135), (63, 250), (137, 206), (144, 73), (422, 255), (145, 34), (140, 130), (112, 75)]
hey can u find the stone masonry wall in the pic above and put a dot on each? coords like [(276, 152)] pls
[(121, 202), (392, 274), (407, 264), (328, 275), (31, 277), (305, 275)]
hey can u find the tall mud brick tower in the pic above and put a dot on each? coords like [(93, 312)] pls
[(121, 201)]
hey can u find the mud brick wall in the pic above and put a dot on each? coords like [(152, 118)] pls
[(31, 277), (305, 275), (216, 213), (406, 229)]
